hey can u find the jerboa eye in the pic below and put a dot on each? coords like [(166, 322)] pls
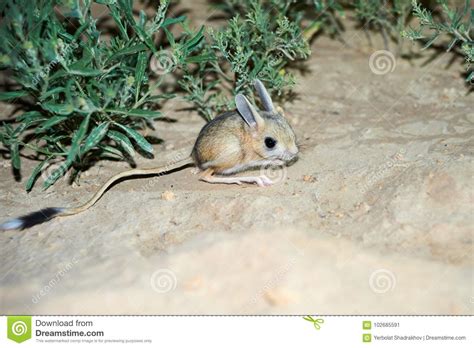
[(270, 142)]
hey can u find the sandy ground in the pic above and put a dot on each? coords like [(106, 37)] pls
[(375, 217)]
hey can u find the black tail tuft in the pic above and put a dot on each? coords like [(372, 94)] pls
[(29, 220)]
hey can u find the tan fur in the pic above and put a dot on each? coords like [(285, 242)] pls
[(227, 141)]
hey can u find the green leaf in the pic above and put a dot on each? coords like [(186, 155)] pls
[(112, 150), (29, 116), (34, 174), (144, 113), (139, 139), (68, 91), (95, 136), (169, 37), (470, 77), (53, 91), (105, 2), (8, 128), (58, 172), (136, 112), (57, 75), (430, 41), (49, 123), (258, 67), (451, 44), (83, 27), (140, 73), (15, 155), (60, 109), (128, 50), (77, 139), (195, 40), (85, 72), (13, 95), (201, 58), (82, 63), (126, 9), (115, 13), (94, 97), (170, 21), (19, 130), (123, 141)]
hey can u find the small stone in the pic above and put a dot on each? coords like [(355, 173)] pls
[(279, 210), (309, 178), (278, 297), (363, 207), (194, 284), (167, 196)]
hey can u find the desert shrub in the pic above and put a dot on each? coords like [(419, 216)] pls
[(388, 18), (87, 91), (310, 15), (260, 39), (456, 24)]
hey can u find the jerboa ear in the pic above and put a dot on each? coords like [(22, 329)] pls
[(264, 95), (248, 112)]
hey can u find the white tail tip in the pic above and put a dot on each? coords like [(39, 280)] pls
[(14, 224)]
